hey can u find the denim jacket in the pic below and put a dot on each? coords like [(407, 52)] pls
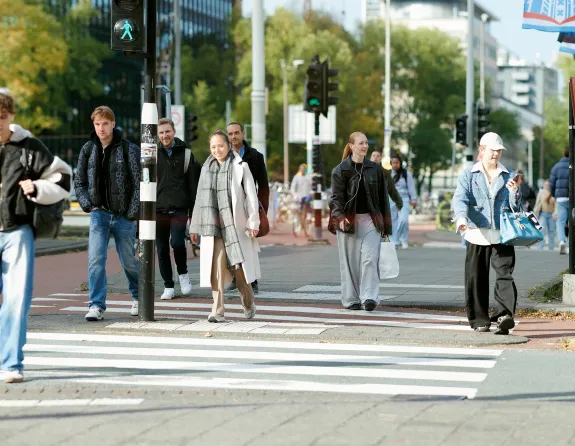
[(472, 199)]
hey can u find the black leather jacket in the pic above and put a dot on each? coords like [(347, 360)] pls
[(345, 182)]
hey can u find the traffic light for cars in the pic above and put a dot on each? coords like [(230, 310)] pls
[(128, 26), (328, 87), (313, 89), (461, 130), (482, 121), (191, 128)]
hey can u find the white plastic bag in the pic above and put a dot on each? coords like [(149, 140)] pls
[(388, 263)]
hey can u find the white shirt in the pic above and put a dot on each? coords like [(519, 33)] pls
[(483, 236), (301, 186)]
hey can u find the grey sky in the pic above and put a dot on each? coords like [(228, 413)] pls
[(525, 43)]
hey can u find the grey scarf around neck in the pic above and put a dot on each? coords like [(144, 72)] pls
[(216, 215)]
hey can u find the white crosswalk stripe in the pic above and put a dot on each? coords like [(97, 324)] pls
[(121, 360)]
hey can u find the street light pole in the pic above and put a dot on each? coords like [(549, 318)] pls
[(286, 147), (387, 104), (469, 93), (484, 18), (178, 55), (258, 79)]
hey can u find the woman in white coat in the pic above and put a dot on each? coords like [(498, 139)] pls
[(226, 216)]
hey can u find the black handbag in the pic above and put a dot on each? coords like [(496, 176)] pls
[(47, 219), (264, 222)]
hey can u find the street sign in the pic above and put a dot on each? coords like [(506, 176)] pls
[(178, 113), (300, 122)]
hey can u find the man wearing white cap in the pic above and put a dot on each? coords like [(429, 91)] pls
[(483, 191)]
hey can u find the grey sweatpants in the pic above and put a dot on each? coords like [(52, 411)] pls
[(358, 262)]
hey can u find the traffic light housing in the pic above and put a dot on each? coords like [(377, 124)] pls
[(461, 130), (191, 128), (482, 121), (128, 26), (313, 87), (328, 87)]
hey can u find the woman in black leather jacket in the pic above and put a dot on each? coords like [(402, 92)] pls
[(360, 217)]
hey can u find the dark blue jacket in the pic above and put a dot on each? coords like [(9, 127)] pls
[(559, 179)]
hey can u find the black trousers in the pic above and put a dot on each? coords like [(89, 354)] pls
[(171, 230), (477, 262)]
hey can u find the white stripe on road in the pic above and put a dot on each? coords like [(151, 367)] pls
[(51, 299), (255, 355), (273, 317), (299, 296), (310, 310), (337, 288), (72, 402), (168, 340), (281, 385), (250, 368)]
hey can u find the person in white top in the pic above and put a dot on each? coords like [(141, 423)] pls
[(483, 191)]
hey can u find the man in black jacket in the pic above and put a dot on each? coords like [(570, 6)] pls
[(257, 167), (30, 175), (178, 176), (107, 186)]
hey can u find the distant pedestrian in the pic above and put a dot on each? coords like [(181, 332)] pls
[(257, 165), (391, 190), (47, 181), (559, 185), (178, 176), (403, 180), (546, 211), (301, 189), (107, 185), (483, 191), (226, 216), (360, 217), (528, 196)]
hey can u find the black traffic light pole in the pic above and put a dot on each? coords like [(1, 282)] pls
[(149, 148), (571, 217), (317, 179)]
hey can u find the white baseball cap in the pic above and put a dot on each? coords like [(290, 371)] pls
[(492, 141)]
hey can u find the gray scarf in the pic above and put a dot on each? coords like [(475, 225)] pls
[(215, 200)]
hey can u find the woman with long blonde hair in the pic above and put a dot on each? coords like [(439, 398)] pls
[(360, 217), (546, 211)]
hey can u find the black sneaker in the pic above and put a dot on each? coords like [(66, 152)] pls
[(369, 305), (504, 324), (482, 329), (255, 287), (354, 307)]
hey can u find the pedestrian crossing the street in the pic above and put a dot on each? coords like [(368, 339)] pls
[(231, 364)]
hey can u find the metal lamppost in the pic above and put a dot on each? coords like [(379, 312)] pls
[(284, 66), (484, 18), (387, 104)]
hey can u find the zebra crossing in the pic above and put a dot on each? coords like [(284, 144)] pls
[(231, 364)]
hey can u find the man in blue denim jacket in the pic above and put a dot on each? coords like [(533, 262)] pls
[(483, 191)]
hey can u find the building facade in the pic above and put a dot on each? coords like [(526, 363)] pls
[(122, 76)]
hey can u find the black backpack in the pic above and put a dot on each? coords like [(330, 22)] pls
[(47, 219)]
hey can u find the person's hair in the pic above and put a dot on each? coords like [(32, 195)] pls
[(7, 103), (376, 151), (566, 151), (548, 193), (220, 132), (103, 111), (350, 141), (235, 123), (164, 121), (400, 171)]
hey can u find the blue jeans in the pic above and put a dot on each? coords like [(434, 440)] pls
[(17, 251), (546, 220), (562, 215), (102, 224), (400, 221)]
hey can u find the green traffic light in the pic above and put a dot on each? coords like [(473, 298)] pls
[(314, 102)]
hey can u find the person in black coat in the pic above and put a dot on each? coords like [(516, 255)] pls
[(178, 176), (257, 166)]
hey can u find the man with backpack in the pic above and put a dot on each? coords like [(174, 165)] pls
[(30, 175), (107, 185), (178, 176)]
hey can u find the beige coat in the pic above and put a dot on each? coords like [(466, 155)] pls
[(245, 208)]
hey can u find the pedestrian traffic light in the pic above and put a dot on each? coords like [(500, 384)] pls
[(482, 121), (328, 86), (128, 25), (461, 130), (191, 128), (313, 87)]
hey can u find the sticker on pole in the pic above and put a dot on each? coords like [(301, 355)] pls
[(316, 140), (149, 151)]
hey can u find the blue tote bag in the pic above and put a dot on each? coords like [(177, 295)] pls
[(519, 228)]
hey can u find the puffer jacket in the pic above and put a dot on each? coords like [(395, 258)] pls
[(124, 171), (472, 199), (345, 183), (559, 179)]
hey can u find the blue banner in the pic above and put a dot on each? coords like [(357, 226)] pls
[(549, 15)]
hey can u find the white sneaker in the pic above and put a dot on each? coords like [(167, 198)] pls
[(185, 284), (562, 248), (167, 294), (95, 313), (12, 376), (249, 314), (216, 318), (404, 245), (135, 306)]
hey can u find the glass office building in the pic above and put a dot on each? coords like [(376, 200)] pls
[(122, 76)]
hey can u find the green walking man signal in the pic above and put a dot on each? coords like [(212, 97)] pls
[(127, 30)]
